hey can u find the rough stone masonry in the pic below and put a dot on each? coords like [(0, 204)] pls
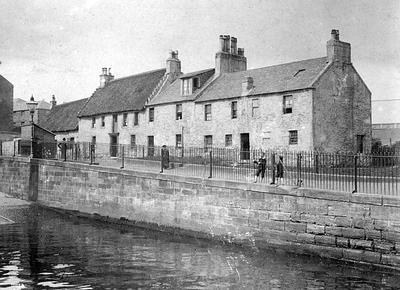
[(340, 225)]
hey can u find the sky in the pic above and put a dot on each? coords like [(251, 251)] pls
[(59, 47)]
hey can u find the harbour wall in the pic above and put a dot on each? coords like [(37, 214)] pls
[(345, 226)]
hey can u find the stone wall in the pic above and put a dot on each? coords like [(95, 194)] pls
[(342, 110), (14, 176), (339, 225)]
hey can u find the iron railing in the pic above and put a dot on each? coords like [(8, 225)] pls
[(378, 172)]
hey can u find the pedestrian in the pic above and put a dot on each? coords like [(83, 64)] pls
[(280, 168), (63, 147), (164, 158), (261, 167)]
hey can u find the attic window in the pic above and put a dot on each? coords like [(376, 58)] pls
[(196, 83), (190, 85), (299, 71)]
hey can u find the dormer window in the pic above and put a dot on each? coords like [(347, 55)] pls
[(190, 85)]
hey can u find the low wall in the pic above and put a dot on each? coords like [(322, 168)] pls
[(339, 225)]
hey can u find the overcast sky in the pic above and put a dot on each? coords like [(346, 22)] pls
[(59, 47)]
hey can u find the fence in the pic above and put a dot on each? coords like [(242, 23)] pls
[(370, 173)]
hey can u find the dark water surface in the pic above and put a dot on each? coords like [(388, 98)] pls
[(46, 250)]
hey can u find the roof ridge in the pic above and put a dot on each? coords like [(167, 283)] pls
[(139, 74), (275, 65), (68, 103)]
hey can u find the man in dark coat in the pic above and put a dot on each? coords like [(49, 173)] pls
[(261, 167), (164, 158)]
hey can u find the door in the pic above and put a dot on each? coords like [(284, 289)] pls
[(244, 146), (150, 145), (113, 146)]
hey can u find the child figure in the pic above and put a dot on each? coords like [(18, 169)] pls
[(279, 171), (261, 166)]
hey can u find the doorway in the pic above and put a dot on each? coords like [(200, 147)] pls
[(244, 146), (150, 145), (113, 145)]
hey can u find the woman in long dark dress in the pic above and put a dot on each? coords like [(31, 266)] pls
[(280, 170)]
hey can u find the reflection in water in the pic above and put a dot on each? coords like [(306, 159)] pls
[(46, 250)]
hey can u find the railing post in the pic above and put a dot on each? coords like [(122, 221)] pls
[(273, 167), (122, 156), (211, 161), (355, 173), (299, 180), (316, 163)]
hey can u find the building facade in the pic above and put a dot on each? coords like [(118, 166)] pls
[(6, 107), (22, 116), (319, 103)]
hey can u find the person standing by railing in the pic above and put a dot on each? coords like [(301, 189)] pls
[(63, 147), (261, 167), (164, 158), (280, 169)]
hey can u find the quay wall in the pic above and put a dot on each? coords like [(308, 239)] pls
[(353, 227)]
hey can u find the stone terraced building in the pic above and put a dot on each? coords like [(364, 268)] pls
[(320, 103)]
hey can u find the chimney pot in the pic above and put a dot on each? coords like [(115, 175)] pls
[(241, 51), (234, 45), (335, 34)]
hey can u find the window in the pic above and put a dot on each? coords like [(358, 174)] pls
[(179, 140), (136, 119), (151, 114), (186, 87), (254, 108), (208, 142), (360, 143), (93, 140), (293, 137), (287, 104), (179, 111), (234, 110), (103, 121), (228, 140), (133, 141), (124, 119), (207, 112), (93, 122), (196, 83)]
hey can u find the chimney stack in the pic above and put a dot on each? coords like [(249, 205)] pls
[(338, 51), (173, 66), (53, 102), (229, 58), (105, 77)]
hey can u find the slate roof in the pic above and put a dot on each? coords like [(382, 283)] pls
[(124, 94), (64, 117), (271, 79), (172, 93)]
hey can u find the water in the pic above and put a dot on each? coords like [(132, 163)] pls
[(45, 250)]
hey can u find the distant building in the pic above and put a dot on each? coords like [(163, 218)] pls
[(6, 108), (63, 120), (319, 103), (387, 134), (22, 116)]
